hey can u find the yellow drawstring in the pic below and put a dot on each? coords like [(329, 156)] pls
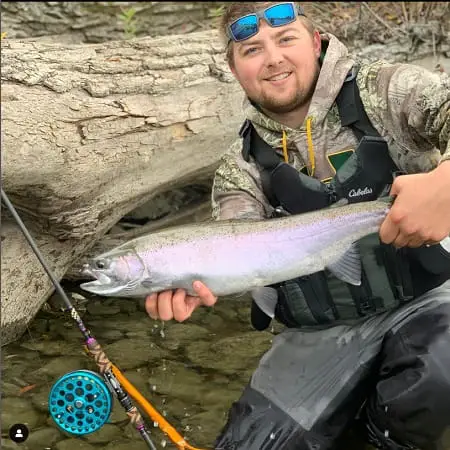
[(312, 160), (285, 153)]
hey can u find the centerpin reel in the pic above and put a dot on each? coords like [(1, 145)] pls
[(80, 402)]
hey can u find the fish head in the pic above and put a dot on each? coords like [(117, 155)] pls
[(116, 273)]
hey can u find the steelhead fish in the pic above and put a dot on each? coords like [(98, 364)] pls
[(236, 256)]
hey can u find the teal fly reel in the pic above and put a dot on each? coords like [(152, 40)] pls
[(80, 402)]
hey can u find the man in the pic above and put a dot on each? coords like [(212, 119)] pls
[(381, 352)]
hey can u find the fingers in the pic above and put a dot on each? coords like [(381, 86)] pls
[(388, 230), (415, 242), (401, 236), (395, 231), (165, 309), (168, 305), (159, 305), (206, 296), (151, 305), (183, 305)]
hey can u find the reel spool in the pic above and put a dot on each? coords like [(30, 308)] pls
[(80, 402)]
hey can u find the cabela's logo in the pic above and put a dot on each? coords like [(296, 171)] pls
[(360, 192)]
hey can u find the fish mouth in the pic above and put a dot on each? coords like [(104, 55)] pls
[(102, 283), (102, 286)]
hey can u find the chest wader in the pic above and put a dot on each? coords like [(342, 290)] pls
[(390, 276)]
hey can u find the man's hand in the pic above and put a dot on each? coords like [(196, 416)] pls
[(178, 305), (421, 210)]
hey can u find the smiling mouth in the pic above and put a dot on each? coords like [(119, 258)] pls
[(279, 77)]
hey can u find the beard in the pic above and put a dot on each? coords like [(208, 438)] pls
[(300, 98)]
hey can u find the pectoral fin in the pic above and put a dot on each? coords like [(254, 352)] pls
[(348, 267), (266, 298)]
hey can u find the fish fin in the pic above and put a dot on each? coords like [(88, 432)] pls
[(348, 267), (147, 282), (266, 298)]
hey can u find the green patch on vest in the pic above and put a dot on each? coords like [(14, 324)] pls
[(338, 159)]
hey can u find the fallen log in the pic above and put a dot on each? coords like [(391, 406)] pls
[(107, 121), (107, 128)]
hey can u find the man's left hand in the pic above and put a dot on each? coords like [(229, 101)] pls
[(421, 210)]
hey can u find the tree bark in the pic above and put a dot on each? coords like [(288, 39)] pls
[(93, 22), (110, 125), (91, 132)]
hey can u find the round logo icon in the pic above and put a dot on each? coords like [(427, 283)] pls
[(19, 433)]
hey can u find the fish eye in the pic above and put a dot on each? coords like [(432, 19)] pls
[(100, 264)]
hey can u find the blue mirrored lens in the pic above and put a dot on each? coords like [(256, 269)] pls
[(280, 15), (244, 27)]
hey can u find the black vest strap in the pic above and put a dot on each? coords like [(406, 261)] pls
[(351, 108), (257, 147), (265, 157)]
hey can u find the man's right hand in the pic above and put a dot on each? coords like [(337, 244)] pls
[(168, 305)]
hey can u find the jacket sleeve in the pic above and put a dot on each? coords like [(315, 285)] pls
[(236, 193), (410, 106)]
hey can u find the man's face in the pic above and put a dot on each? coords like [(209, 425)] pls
[(278, 67)]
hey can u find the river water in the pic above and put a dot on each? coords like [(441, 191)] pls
[(191, 372)]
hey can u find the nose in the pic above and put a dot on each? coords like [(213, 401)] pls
[(274, 55)]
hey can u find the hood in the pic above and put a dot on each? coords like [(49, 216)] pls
[(335, 67)]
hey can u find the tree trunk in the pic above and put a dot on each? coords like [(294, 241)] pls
[(91, 132), (110, 125), (93, 22)]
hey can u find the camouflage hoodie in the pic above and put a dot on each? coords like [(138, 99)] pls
[(408, 105)]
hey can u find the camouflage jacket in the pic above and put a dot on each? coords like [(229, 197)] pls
[(407, 104)]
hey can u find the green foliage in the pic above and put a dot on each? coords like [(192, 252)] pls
[(129, 22), (217, 12)]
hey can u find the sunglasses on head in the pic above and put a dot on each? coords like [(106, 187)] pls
[(276, 16)]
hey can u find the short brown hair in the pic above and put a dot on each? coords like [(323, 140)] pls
[(235, 10)]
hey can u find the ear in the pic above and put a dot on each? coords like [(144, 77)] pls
[(317, 42)]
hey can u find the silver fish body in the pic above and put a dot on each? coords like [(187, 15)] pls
[(237, 255)]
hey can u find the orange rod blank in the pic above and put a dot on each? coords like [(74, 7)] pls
[(165, 426)]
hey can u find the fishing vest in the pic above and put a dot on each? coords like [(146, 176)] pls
[(390, 276)]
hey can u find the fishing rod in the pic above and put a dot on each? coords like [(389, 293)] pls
[(81, 392)]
